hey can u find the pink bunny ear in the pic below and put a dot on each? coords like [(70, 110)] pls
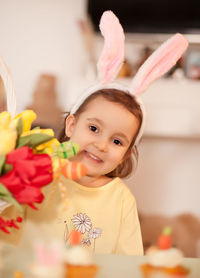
[(159, 63), (112, 55)]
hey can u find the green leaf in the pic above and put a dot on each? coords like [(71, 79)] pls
[(23, 141), (19, 127), (2, 162), (33, 140), (4, 190), (13, 201), (7, 168), (6, 195)]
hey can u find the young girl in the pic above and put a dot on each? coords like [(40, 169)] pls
[(103, 209), (107, 122)]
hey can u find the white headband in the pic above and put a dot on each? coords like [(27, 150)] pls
[(112, 57)]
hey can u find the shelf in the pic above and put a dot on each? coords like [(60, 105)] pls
[(150, 39), (172, 108), (183, 137), (158, 38)]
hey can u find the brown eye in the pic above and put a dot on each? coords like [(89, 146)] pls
[(93, 128), (117, 142)]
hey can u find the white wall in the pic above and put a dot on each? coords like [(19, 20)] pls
[(167, 180), (42, 36)]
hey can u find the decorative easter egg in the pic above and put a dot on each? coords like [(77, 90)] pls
[(74, 170), (57, 164), (67, 149)]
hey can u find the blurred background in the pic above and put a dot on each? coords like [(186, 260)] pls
[(51, 49)]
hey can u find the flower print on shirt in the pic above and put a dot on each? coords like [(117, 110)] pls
[(82, 223), (86, 241), (95, 233)]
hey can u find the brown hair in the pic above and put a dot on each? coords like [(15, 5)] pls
[(129, 102)]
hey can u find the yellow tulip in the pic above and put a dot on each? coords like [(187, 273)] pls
[(8, 140), (47, 131), (48, 147), (28, 116), (8, 133), (5, 119)]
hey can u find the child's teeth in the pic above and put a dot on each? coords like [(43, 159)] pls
[(94, 157)]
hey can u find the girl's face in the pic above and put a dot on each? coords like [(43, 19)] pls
[(104, 132)]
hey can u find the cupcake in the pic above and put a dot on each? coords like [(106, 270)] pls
[(78, 259), (48, 262), (163, 261)]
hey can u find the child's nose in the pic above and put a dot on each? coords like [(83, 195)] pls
[(102, 145)]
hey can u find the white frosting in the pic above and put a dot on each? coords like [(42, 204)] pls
[(78, 255), (165, 258)]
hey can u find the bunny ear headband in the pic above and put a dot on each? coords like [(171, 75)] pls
[(112, 57)]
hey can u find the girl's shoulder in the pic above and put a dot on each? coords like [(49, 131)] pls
[(123, 189)]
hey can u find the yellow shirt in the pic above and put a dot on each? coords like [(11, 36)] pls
[(106, 216)]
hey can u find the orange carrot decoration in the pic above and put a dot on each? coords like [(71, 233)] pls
[(164, 240), (75, 237)]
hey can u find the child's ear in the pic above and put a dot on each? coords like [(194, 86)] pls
[(69, 125)]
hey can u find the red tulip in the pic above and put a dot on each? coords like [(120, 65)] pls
[(30, 172)]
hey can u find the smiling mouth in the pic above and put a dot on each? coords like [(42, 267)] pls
[(92, 157)]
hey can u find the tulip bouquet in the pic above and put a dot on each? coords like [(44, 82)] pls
[(30, 160)]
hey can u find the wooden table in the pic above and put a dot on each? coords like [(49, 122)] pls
[(110, 266), (119, 266)]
